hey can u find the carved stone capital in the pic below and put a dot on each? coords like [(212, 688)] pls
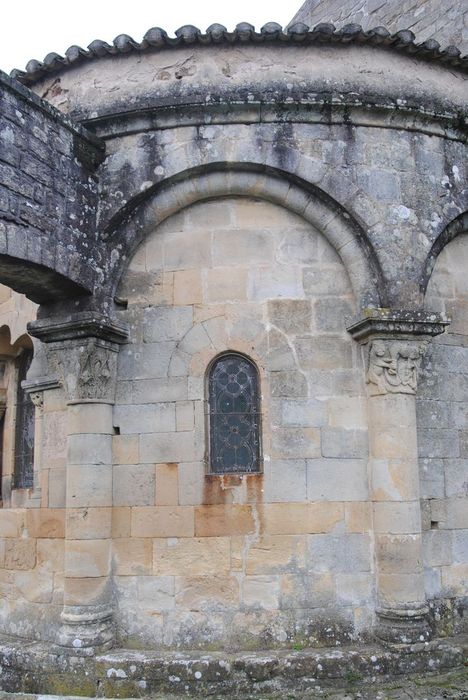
[(395, 342)]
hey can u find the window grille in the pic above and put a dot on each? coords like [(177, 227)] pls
[(234, 415)]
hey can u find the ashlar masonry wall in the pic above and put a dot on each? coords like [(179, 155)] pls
[(239, 561)]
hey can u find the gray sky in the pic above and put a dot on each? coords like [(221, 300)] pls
[(33, 28)]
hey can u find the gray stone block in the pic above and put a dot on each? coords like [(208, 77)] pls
[(166, 323), (337, 442), (341, 554)]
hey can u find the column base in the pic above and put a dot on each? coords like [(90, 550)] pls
[(87, 630), (403, 625)]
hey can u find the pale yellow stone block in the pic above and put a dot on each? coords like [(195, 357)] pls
[(89, 486), (54, 400), (86, 591), (12, 522), (397, 518), (51, 555), (35, 586), (20, 554), (399, 554), (358, 517), (301, 518), (187, 287), (89, 523), (121, 522), (125, 449), (261, 592), (394, 480), (132, 557), (163, 521), (273, 554), (222, 284), (45, 522), (87, 558), (198, 556), (167, 484), (89, 418), (397, 590), (204, 592), (226, 519)]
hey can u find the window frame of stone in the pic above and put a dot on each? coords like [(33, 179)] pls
[(256, 442), (21, 478)]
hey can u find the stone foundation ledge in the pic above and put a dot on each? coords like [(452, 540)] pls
[(34, 667)]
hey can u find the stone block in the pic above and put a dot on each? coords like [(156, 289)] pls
[(331, 315), (438, 442), (56, 488), (20, 554), (156, 592), (437, 548), (145, 418), (432, 582), (358, 517), (270, 554), (12, 522), (184, 415), (207, 593), (280, 355), (394, 479), (145, 361), (397, 517), (169, 447), (121, 522), (339, 553), (132, 557), (180, 256), (261, 592), (51, 555), (457, 513), (290, 316), (295, 443), (304, 591), (299, 247), (45, 522), (397, 590), (301, 518), (224, 284), (35, 586), (288, 384), (153, 390), (432, 478), (89, 486), (324, 353), (89, 418), (456, 477), (90, 449), (399, 553), (236, 247), (325, 281), (133, 485), (301, 413), (226, 519), (354, 589), (345, 444), (89, 523), (285, 480), (460, 546), (274, 282), (349, 412), (191, 483), (167, 485), (86, 591), (88, 558), (199, 556), (163, 521), (163, 323), (455, 579), (125, 449), (187, 287), (337, 479)]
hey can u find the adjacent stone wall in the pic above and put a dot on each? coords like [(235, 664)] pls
[(443, 430), (428, 19), (266, 559)]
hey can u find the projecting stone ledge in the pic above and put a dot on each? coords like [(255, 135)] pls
[(41, 668)]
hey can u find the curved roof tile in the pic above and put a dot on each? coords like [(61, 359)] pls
[(299, 33)]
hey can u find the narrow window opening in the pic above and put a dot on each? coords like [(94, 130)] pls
[(234, 415), (24, 429)]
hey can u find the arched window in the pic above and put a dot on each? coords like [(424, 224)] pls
[(234, 415), (24, 428)]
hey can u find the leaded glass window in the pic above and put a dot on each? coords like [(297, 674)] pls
[(234, 415), (24, 429)]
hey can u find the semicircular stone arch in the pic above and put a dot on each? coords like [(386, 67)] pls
[(455, 228), (313, 205)]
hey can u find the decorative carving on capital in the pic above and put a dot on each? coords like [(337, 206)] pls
[(394, 364), (37, 397), (87, 370)]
